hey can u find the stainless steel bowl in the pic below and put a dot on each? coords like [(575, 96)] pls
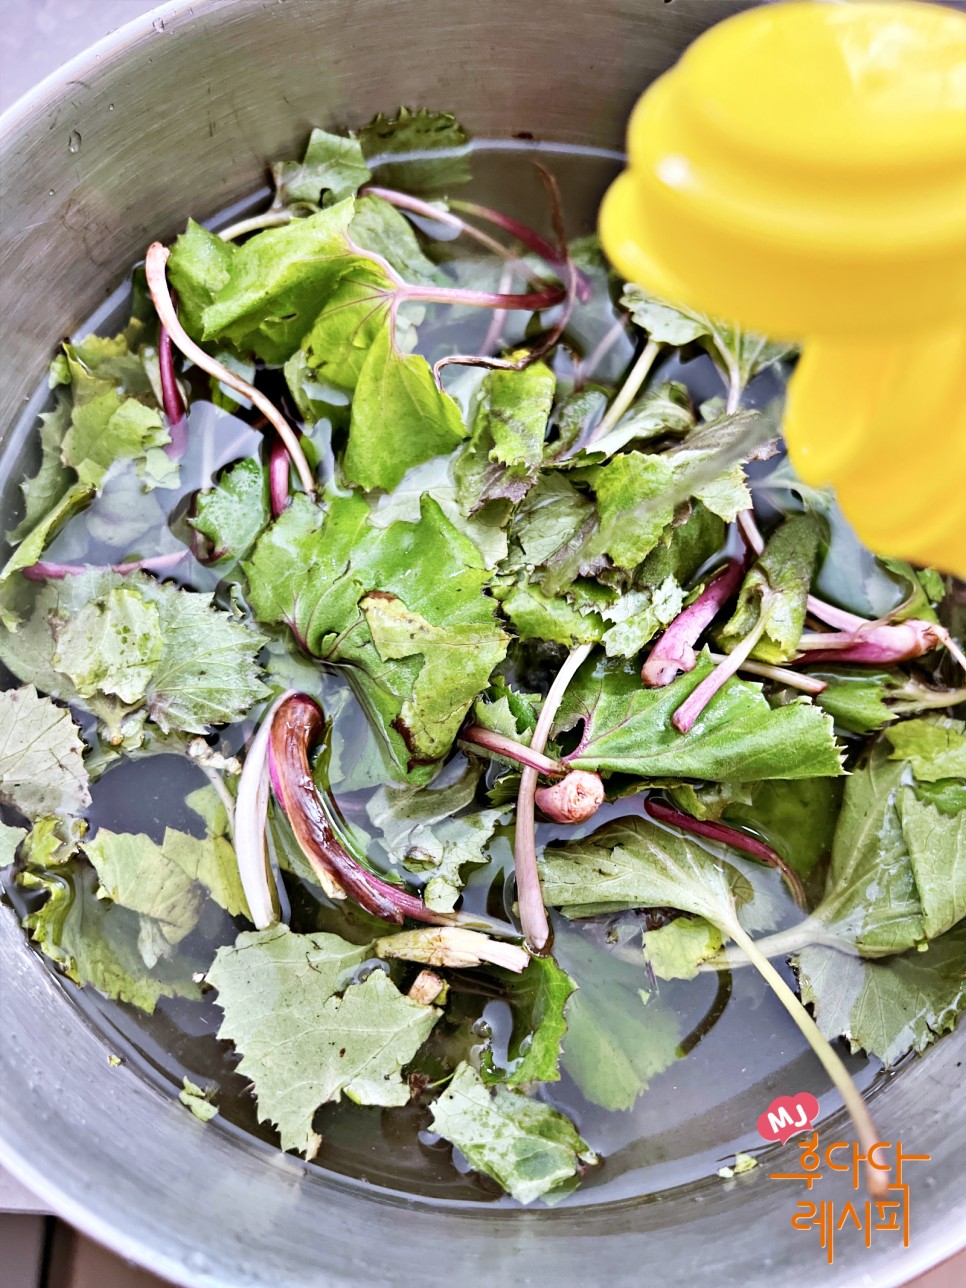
[(177, 113)]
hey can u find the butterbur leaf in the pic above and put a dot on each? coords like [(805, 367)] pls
[(536, 616), (550, 516), (333, 166), (41, 756), (93, 941), (676, 951), (738, 736), (638, 616), (278, 280), (857, 697), (633, 863), (665, 323), (505, 451), (233, 514), (400, 417), (538, 998), (937, 853), (111, 646), (354, 316), (307, 1033), (524, 1145), (75, 499), (198, 267), (418, 647), (634, 482), (617, 1041), (110, 428), (935, 748), (380, 228), (891, 1006), (776, 588), (659, 412), (52, 480), (415, 136), (10, 840)]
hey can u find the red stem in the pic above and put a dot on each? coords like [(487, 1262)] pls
[(674, 650), (171, 400), (532, 301), (510, 749), (298, 724), (43, 571), (529, 236), (715, 831), (278, 477)]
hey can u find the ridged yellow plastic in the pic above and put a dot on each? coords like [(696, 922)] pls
[(802, 171)]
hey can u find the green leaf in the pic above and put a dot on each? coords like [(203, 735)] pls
[(419, 647), (675, 951), (94, 941), (433, 831), (887, 1007), (307, 1033), (937, 853), (935, 748), (137, 874), (616, 1042), (506, 447), (52, 480), (278, 281), (75, 499), (333, 166), (552, 514), (233, 515), (661, 411), (380, 228), (524, 1145), (397, 390), (633, 863), (41, 756), (422, 140), (856, 697), (665, 323), (738, 736), (110, 428), (638, 616), (536, 616), (628, 481), (538, 998), (355, 315), (10, 839), (80, 643), (199, 267), (777, 587), (193, 1098)]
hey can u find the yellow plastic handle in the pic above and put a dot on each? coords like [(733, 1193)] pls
[(802, 170)]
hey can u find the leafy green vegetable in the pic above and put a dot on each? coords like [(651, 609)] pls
[(233, 514), (776, 589), (527, 1147), (416, 150), (675, 951), (333, 166), (94, 941), (617, 1041), (126, 644), (10, 840), (308, 1033), (538, 998), (935, 748), (42, 492), (76, 498), (891, 1006), (199, 267), (505, 450), (738, 736), (397, 390), (420, 646), (41, 756)]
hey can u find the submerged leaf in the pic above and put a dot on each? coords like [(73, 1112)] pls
[(430, 147), (526, 1146), (233, 514), (307, 1033), (41, 756), (333, 166), (505, 450)]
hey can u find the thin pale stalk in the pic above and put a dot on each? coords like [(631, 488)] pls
[(876, 1179), (494, 332), (254, 224), (171, 400), (533, 914), (782, 674), (749, 530), (154, 267), (510, 749), (627, 392), (692, 706), (597, 355), (405, 201), (555, 256), (251, 818), (713, 830)]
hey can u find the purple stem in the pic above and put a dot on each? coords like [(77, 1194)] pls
[(510, 749), (44, 571), (715, 831), (278, 477), (549, 253), (297, 725), (699, 697), (674, 650), (532, 301), (173, 403), (874, 644)]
